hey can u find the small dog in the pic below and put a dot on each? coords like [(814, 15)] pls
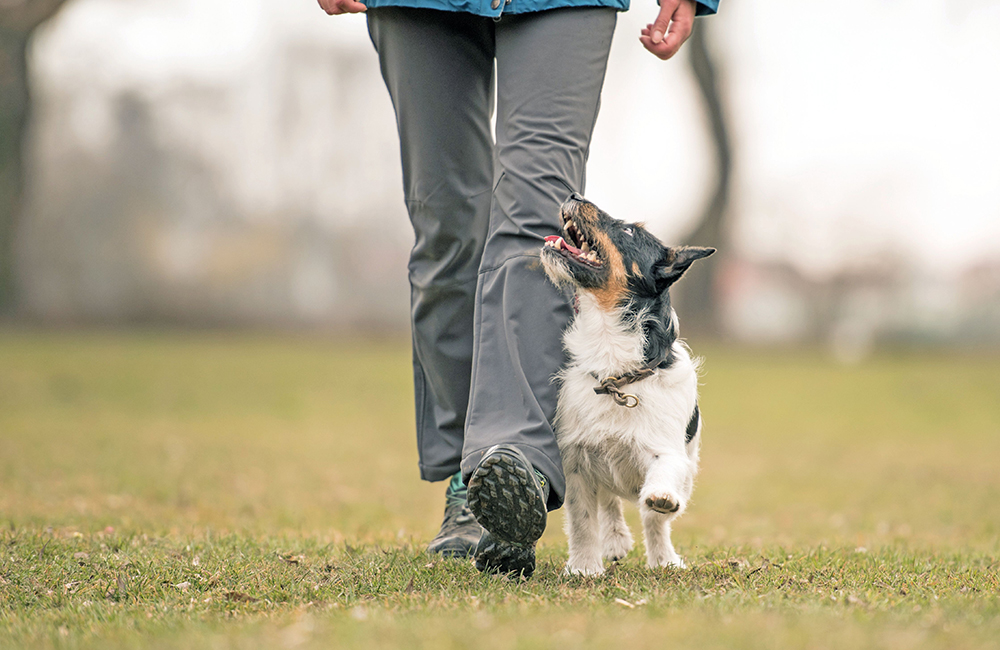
[(627, 420)]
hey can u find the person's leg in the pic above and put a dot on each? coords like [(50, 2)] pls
[(550, 70), (438, 67)]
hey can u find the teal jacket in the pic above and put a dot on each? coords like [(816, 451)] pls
[(494, 8)]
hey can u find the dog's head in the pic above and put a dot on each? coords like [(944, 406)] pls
[(617, 262)]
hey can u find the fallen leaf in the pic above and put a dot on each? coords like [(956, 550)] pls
[(183, 586), (409, 587), (239, 597), (624, 603)]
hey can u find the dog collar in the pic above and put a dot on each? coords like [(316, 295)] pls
[(613, 386)]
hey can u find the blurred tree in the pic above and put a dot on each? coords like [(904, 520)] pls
[(699, 291), (18, 21)]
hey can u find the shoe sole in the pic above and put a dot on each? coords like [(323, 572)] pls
[(454, 549), (506, 496), (499, 557), (456, 546)]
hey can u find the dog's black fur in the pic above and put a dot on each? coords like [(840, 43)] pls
[(650, 268)]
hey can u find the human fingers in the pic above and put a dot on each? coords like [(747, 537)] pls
[(662, 22), (665, 41), (336, 7)]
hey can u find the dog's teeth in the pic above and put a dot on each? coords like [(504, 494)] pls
[(585, 248), (558, 244)]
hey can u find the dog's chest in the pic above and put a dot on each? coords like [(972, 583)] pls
[(614, 445)]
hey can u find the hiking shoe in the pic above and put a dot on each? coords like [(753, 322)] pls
[(508, 497), (494, 556), (460, 532)]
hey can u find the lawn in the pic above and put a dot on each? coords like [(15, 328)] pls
[(226, 490)]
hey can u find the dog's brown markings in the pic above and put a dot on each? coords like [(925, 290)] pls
[(612, 294), (635, 269)]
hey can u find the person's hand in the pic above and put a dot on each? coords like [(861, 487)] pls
[(335, 7), (678, 16)]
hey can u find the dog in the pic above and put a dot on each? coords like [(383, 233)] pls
[(627, 418)]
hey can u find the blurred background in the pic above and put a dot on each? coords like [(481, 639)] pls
[(223, 163), (203, 250), (204, 349)]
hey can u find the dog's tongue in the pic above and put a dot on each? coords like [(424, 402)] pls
[(559, 242)]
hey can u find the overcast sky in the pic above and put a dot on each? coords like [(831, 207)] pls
[(858, 129)]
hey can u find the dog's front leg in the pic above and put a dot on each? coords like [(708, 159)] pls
[(663, 497), (669, 479), (659, 549), (582, 528)]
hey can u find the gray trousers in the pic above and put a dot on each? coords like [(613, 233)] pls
[(487, 323)]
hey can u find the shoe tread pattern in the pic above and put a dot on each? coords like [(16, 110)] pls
[(495, 556), (506, 498)]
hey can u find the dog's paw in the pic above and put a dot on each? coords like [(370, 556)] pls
[(616, 546), (675, 562), (578, 568), (663, 502)]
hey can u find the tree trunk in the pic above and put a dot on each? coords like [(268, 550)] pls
[(14, 102), (18, 20), (699, 291)]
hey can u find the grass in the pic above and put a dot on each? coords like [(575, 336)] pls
[(238, 490)]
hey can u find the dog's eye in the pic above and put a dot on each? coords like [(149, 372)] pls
[(628, 231)]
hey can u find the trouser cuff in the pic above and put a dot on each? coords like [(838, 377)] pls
[(539, 461), (435, 473)]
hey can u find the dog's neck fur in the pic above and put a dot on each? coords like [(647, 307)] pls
[(621, 341)]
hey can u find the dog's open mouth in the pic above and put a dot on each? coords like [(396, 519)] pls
[(574, 245)]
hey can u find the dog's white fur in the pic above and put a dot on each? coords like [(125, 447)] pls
[(612, 452)]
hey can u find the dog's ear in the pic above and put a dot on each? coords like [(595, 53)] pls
[(676, 261)]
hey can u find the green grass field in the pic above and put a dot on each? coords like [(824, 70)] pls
[(241, 491)]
